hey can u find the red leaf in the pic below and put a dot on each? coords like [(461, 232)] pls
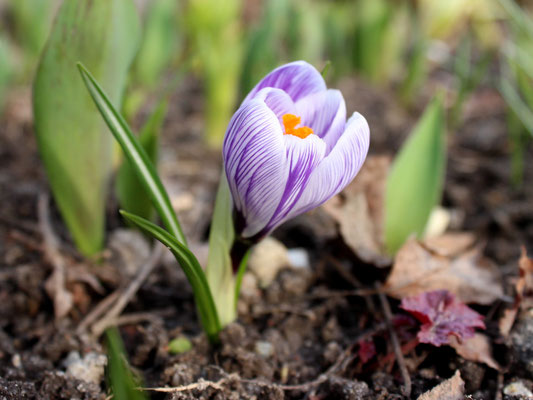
[(441, 316), (366, 351)]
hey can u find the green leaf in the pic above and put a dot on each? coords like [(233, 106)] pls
[(417, 65), (135, 154), (130, 191), (219, 270), (6, 67), (72, 139), (31, 21), (262, 51), (519, 16), (160, 42), (414, 185), (193, 271), (373, 18), (240, 274), (515, 102), (119, 376), (215, 31)]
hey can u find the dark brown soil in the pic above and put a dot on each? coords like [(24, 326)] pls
[(298, 338)]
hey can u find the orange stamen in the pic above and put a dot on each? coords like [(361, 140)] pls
[(290, 122)]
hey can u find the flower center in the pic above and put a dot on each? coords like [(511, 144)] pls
[(290, 122)]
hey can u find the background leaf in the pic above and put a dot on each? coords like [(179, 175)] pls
[(72, 139), (31, 22), (414, 185), (6, 67), (119, 376), (160, 43)]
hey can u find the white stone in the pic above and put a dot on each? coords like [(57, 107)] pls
[(90, 368), (517, 389)]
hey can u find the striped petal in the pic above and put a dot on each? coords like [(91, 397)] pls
[(298, 79), (338, 168), (255, 162), (303, 155), (325, 113), (278, 101)]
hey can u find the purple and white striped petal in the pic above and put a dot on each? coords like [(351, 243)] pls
[(303, 155), (255, 163), (337, 169), (278, 101), (278, 168), (325, 113), (298, 79)]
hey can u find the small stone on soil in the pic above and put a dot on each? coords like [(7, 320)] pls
[(90, 368), (517, 389)]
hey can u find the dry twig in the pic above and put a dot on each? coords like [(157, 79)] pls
[(123, 297), (55, 284), (200, 385), (97, 311), (396, 344)]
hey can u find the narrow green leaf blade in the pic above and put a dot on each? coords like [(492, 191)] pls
[(219, 271), (72, 139), (6, 67), (135, 154), (519, 16), (119, 376), (130, 191), (193, 271), (414, 185), (515, 102)]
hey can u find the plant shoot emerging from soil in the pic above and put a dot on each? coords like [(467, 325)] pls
[(287, 149)]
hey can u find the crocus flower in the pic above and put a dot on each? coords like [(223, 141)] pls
[(289, 148)]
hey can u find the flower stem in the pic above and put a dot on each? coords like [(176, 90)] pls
[(238, 253)]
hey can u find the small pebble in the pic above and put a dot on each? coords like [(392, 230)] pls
[(267, 259), (517, 389), (298, 258), (15, 360), (264, 349), (89, 369)]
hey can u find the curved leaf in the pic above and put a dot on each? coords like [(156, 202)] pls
[(135, 154), (414, 185), (193, 271), (72, 140)]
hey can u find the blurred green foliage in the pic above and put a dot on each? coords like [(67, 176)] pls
[(72, 139), (214, 30), (160, 51), (120, 379), (31, 22), (231, 44), (160, 44), (263, 48), (516, 84), (6, 67)]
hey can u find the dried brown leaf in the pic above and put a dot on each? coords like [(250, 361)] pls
[(448, 262), (524, 289), (450, 389), (358, 210), (476, 348)]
